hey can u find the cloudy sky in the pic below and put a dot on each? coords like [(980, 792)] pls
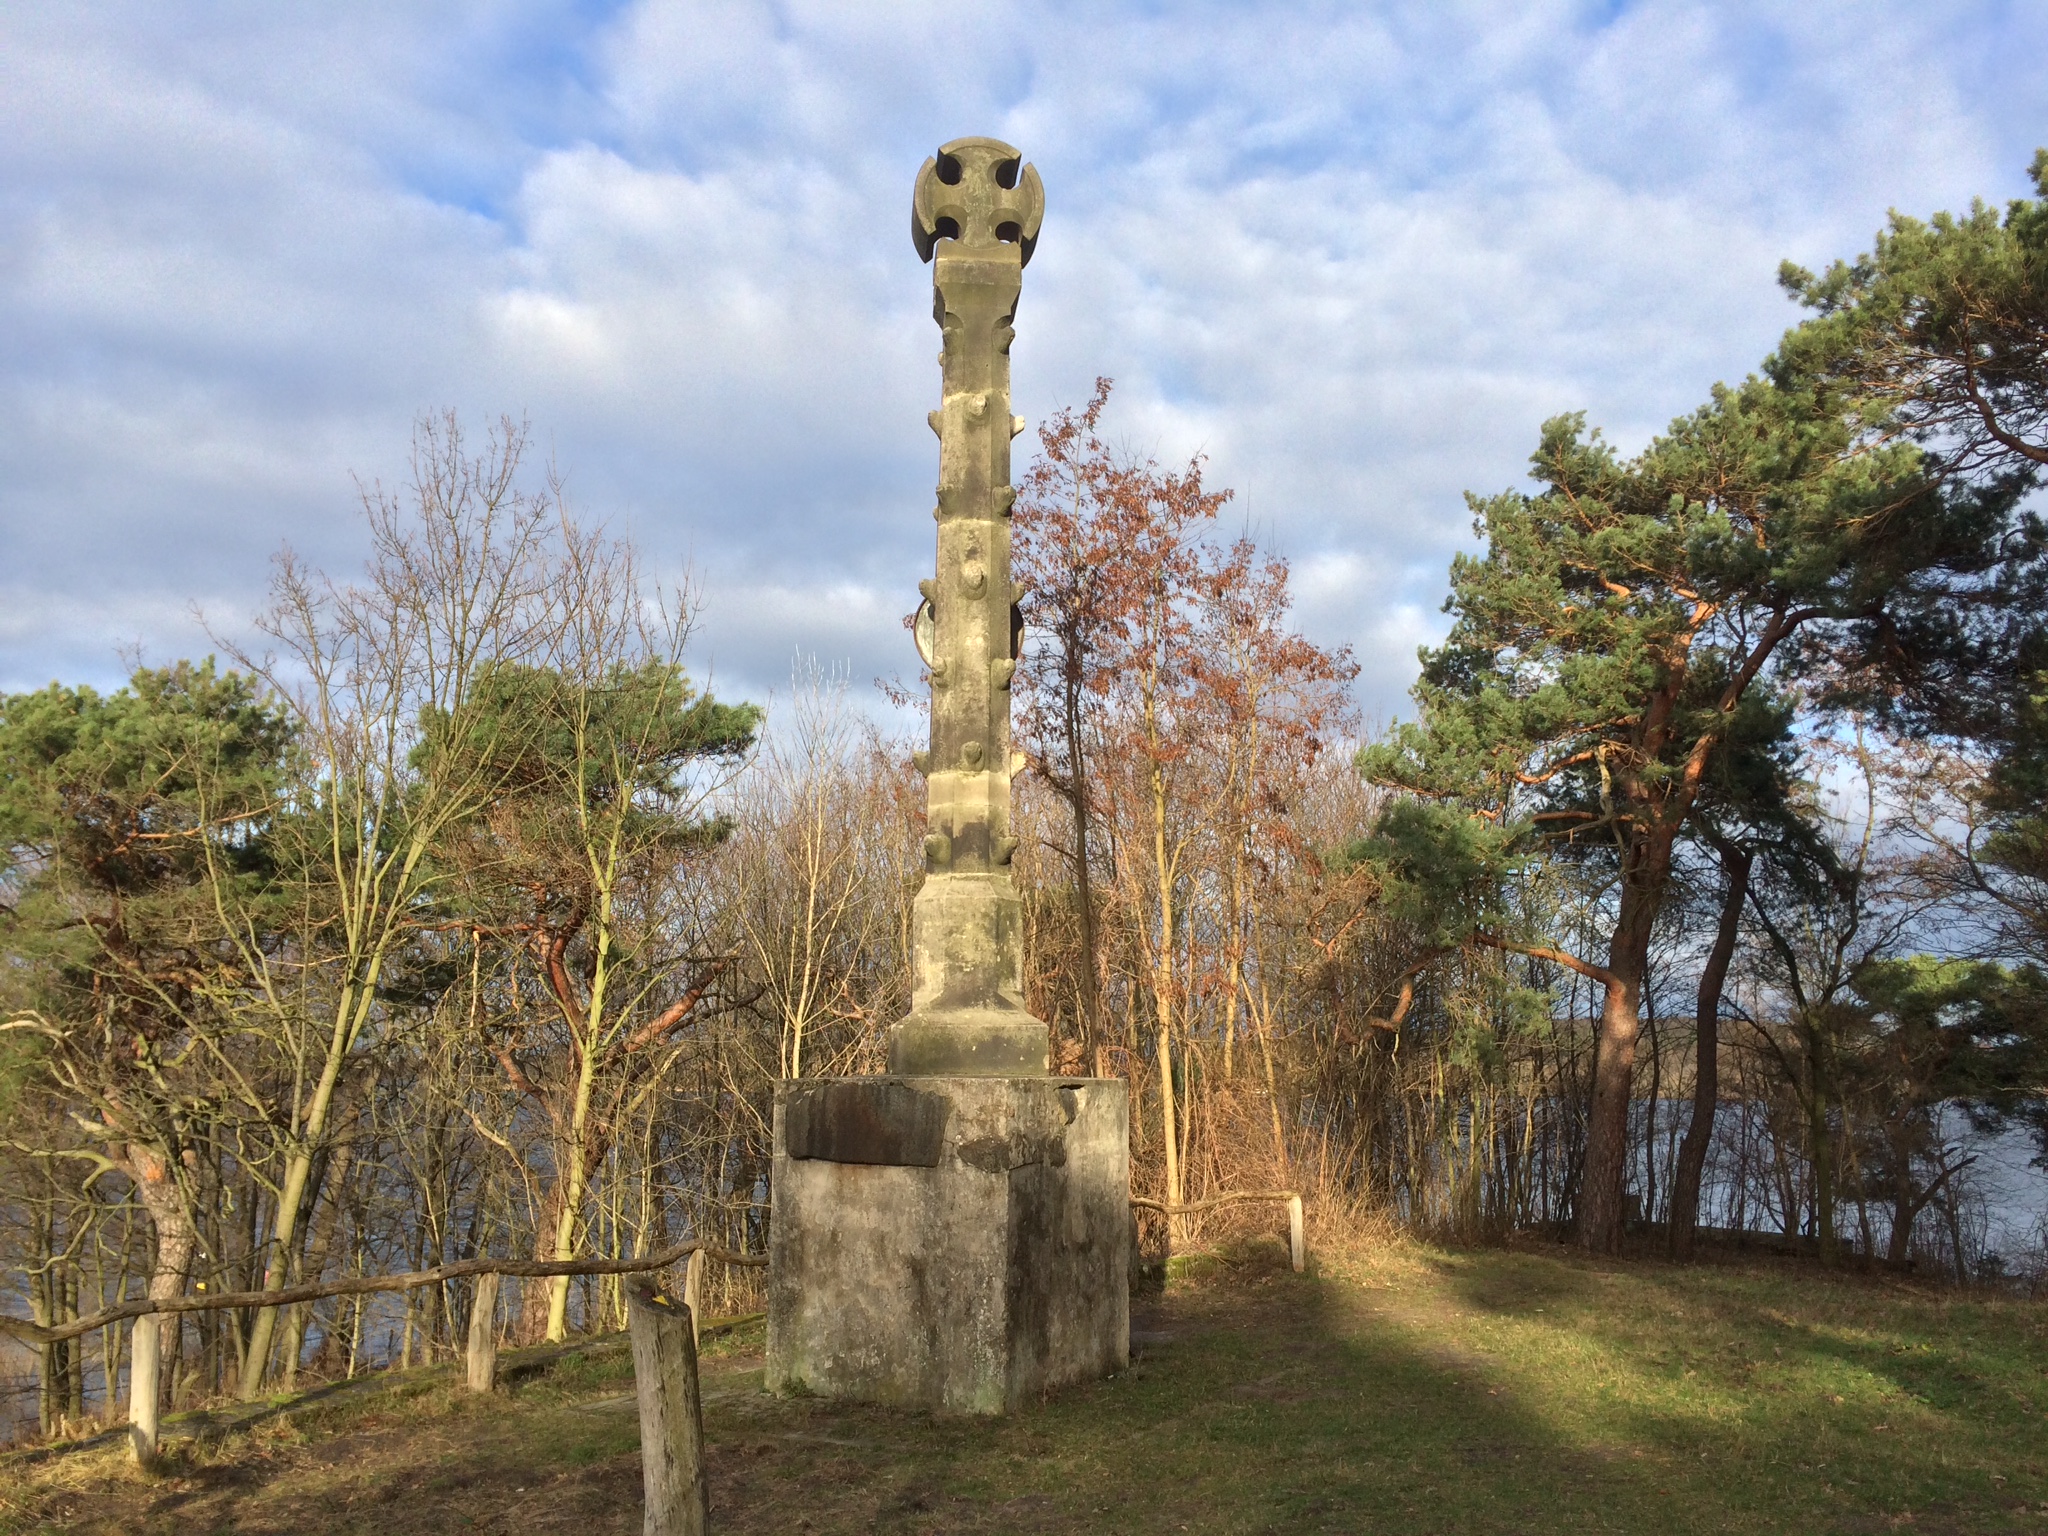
[(1354, 253)]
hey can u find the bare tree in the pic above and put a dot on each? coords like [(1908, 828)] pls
[(452, 590), (822, 875)]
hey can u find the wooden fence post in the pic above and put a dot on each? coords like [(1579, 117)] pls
[(145, 1348), (671, 1414), (483, 1335), (693, 1292), (1297, 1249)]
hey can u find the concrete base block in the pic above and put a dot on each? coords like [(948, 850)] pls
[(953, 1243)]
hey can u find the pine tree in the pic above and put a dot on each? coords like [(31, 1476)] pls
[(1613, 637)]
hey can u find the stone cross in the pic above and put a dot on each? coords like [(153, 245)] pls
[(975, 216), (955, 1236)]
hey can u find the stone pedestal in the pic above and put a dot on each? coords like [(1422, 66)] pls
[(959, 1244)]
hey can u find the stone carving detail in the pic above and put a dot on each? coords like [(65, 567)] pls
[(975, 216), (977, 192)]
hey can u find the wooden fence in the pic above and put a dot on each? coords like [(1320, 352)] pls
[(663, 1332), (1297, 1248), (144, 1306)]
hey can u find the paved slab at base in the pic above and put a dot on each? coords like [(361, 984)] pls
[(953, 1243)]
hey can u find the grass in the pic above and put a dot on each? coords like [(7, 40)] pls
[(1401, 1389)]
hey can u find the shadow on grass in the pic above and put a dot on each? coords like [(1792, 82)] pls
[(1490, 1392), (1439, 1392), (1263, 1402)]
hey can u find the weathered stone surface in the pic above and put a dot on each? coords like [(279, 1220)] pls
[(966, 1016), (956, 1236), (968, 1286), (975, 217), (864, 1120)]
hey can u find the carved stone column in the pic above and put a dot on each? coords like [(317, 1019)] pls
[(975, 216), (956, 1235)]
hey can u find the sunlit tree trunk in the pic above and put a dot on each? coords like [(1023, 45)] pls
[(1603, 1209), (176, 1241), (1163, 982)]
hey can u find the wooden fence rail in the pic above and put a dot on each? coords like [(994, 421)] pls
[(1297, 1248), (361, 1285), (144, 1382)]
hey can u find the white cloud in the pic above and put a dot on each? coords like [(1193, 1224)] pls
[(1354, 254)]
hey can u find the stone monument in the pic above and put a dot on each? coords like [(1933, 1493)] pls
[(956, 1235)]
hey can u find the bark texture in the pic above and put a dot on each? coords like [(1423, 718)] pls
[(678, 1498)]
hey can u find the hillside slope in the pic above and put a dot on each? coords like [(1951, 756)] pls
[(1400, 1390)]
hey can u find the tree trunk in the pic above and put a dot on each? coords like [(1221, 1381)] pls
[(573, 1181), (1084, 889), (1263, 1023), (1233, 978), (1602, 1209), (76, 1381), (1652, 1106), (1907, 1202), (1168, 1120), (176, 1240), (1706, 1085), (49, 1354), (348, 1020), (1163, 998), (334, 1186), (1821, 1135)]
